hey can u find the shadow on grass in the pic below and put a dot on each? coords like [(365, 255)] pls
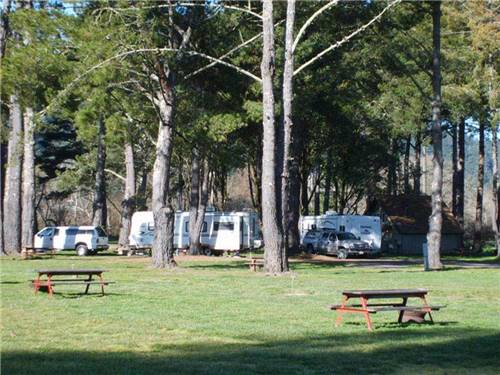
[(443, 350)]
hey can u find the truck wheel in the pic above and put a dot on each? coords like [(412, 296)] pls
[(82, 250), (207, 252), (342, 254), (310, 249)]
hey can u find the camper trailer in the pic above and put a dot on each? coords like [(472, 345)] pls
[(367, 228), (221, 231)]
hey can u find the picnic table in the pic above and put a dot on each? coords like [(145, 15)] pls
[(406, 313), (50, 277), (255, 263)]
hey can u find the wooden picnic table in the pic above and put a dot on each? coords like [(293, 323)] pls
[(406, 313), (46, 278)]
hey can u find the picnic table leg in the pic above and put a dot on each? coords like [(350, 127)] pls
[(426, 305), (49, 285), (102, 284), (88, 285), (37, 284), (339, 312), (401, 313), (364, 303)]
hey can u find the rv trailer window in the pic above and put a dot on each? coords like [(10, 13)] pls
[(186, 226), (223, 226), (205, 226), (151, 227)]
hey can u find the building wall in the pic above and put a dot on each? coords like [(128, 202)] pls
[(411, 244)]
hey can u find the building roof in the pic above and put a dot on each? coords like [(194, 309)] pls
[(409, 214)]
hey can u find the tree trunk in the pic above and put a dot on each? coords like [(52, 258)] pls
[(436, 218), (418, 168), (304, 199), (163, 245), (100, 210), (194, 201), (328, 180), (12, 197), (393, 166), (478, 223), (454, 168), (287, 215), (275, 260), (4, 26), (198, 203), (141, 201), (406, 166), (496, 189), (460, 181), (28, 205), (128, 203)]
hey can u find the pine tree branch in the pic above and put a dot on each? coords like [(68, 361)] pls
[(310, 21), (345, 39), (137, 51)]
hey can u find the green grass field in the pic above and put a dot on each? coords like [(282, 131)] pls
[(215, 316)]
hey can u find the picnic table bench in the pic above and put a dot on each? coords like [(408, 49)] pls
[(255, 263), (406, 313), (28, 252), (46, 278)]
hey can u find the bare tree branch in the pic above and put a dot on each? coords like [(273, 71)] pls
[(232, 7), (310, 21), (137, 51), (114, 174), (345, 39)]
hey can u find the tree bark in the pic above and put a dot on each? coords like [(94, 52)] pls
[(406, 166), (163, 246), (304, 196), (436, 218), (28, 200), (496, 189), (460, 181), (128, 203), (454, 168), (328, 180), (99, 208), (4, 26), (275, 260), (198, 200), (478, 223), (287, 215), (194, 200), (418, 168), (12, 198)]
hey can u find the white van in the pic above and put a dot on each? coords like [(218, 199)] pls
[(367, 228), (221, 231), (86, 240)]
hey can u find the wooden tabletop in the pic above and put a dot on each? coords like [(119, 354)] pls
[(69, 271), (385, 293)]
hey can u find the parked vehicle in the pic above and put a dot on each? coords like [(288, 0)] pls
[(343, 244), (367, 228), (221, 231), (309, 242), (86, 240)]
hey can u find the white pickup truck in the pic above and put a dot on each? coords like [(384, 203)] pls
[(86, 240)]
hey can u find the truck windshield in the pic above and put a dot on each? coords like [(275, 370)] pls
[(346, 236)]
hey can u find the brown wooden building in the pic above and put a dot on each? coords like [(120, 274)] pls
[(405, 223)]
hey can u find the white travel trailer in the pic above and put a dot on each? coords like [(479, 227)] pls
[(221, 231), (368, 228), (86, 240)]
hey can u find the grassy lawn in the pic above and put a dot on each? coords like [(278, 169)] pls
[(215, 316)]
